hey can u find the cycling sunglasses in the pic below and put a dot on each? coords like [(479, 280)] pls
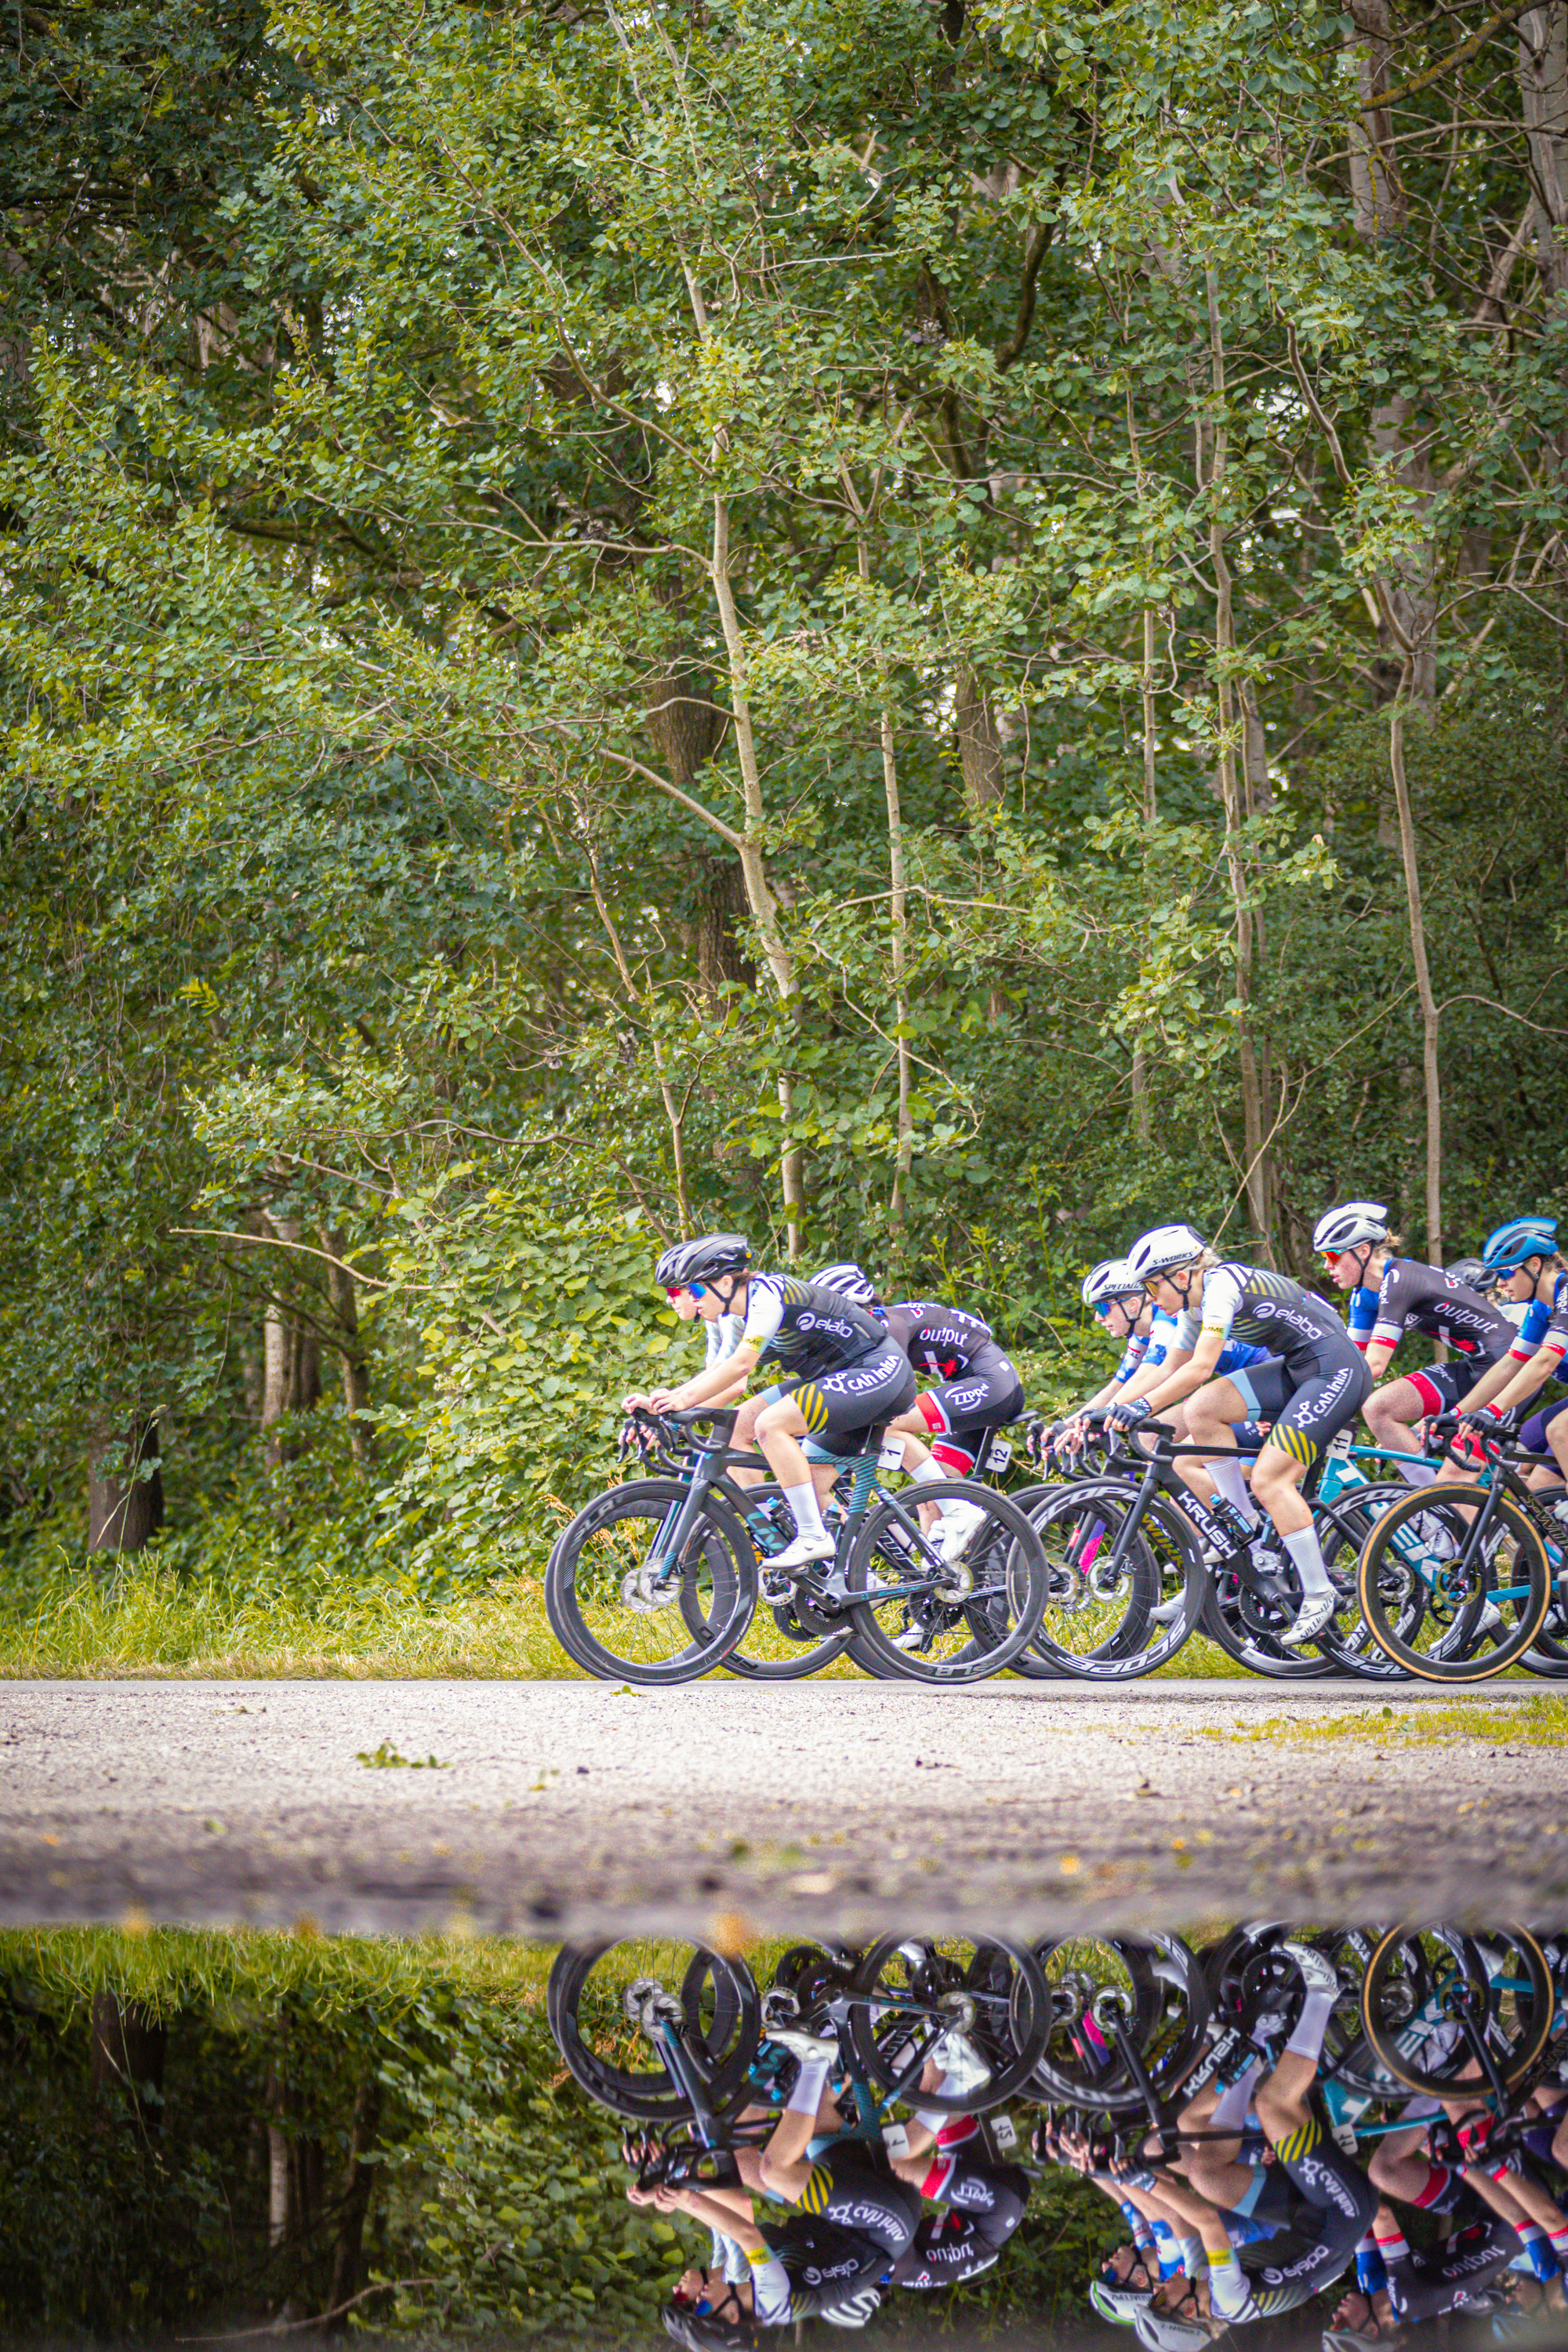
[(674, 1289)]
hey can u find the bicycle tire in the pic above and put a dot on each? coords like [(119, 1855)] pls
[(721, 2043), (1139, 1641), (1515, 2051), (1006, 1557), (575, 1579), (1080, 2067), (1008, 2024), (1464, 1664)]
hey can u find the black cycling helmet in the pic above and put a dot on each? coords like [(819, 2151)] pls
[(1473, 1271), (702, 1260), (704, 2331)]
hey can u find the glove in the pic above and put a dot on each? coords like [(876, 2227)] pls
[(1127, 1415), (1491, 1419)]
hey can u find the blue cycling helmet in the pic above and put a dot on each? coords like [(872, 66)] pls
[(1507, 1248)]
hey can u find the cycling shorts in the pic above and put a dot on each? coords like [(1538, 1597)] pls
[(961, 1413), (1326, 2209), (1440, 1386), (1533, 1437), (983, 2205), (850, 2196), (839, 1408), (1306, 1405)]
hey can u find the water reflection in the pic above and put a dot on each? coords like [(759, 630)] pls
[(1260, 2129)]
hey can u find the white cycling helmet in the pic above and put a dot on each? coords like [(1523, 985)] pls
[(1351, 1222), (1116, 2302), (1112, 1278), (849, 1281), (1161, 2332), (1163, 1247)]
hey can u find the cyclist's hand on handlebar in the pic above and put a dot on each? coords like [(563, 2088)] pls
[(1128, 1413)]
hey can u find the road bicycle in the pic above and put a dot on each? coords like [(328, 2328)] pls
[(1447, 1568), (658, 1580)]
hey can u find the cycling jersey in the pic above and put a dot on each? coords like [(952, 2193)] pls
[(1412, 1296), (1323, 2204), (1268, 1310), (854, 2222), (723, 1338), (1545, 1323), (943, 1340), (983, 2205), (1162, 1339), (1421, 2286), (804, 1327)]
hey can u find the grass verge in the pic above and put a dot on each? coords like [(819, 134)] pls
[(1528, 1723)]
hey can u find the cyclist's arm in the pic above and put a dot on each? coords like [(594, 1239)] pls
[(1185, 1369), (724, 2217), (714, 1384), (1379, 1355), (1509, 1382)]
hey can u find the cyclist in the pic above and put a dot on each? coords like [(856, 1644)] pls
[(1391, 1295), (843, 1375), (1311, 1386), (1149, 1332), (1530, 1271), (976, 1388)]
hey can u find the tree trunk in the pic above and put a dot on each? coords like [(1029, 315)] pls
[(979, 743), (291, 1360), (1141, 1124), (1256, 1165), (354, 2205), (125, 1506), (758, 891), (129, 2048), (280, 2171), (351, 1360), (1431, 1087), (1543, 98), (687, 726)]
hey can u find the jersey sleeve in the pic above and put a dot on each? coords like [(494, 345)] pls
[(1136, 1351), (1162, 1331), (1555, 1334), (1361, 1316), (765, 1313), (1388, 1322), (1221, 1305), (771, 2299), (723, 1338), (1533, 1325)]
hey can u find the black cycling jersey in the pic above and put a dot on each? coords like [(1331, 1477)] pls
[(1416, 1298), (1268, 1310), (804, 1329), (982, 2204), (941, 1340), (1422, 2286), (1322, 2203)]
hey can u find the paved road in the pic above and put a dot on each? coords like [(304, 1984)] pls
[(562, 1808)]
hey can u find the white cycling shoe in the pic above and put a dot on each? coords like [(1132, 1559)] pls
[(956, 1529), (802, 2044), (1316, 1612), (803, 1550), (962, 2066)]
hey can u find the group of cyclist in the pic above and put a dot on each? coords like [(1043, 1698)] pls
[(1216, 1351), (1255, 2198)]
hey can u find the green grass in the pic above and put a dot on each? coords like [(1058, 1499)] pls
[(1540, 1722)]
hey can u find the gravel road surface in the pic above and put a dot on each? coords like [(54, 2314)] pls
[(562, 1808)]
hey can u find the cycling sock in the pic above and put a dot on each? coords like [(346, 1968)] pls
[(810, 2085), (1232, 1487), (803, 1502), (1306, 1552), (1233, 2105), (1370, 2274), (1228, 2288), (1412, 1470), (930, 1472), (1535, 2249), (1307, 2036)]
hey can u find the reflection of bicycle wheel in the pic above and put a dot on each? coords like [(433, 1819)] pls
[(625, 1608), (906, 1993), (1433, 1994), (1486, 1592), (608, 2051), (1117, 1605), (1252, 1977), (1146, 1991)]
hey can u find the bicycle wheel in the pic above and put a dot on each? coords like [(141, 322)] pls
[(1492, 1587), (1549, 1653), (938, 1619), (1357, 1509), (1424, 1984), (1148, 1988), (622, 1616), (1114, 1608), (788, 1638), (607, 2053), (908, 1993)]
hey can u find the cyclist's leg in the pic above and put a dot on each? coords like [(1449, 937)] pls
[(1392, 1413), (1253, 1393), (1319, 1406)]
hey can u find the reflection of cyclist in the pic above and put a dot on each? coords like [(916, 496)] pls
[(843, 1374), (1308, 1388), (1393, 1296)]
